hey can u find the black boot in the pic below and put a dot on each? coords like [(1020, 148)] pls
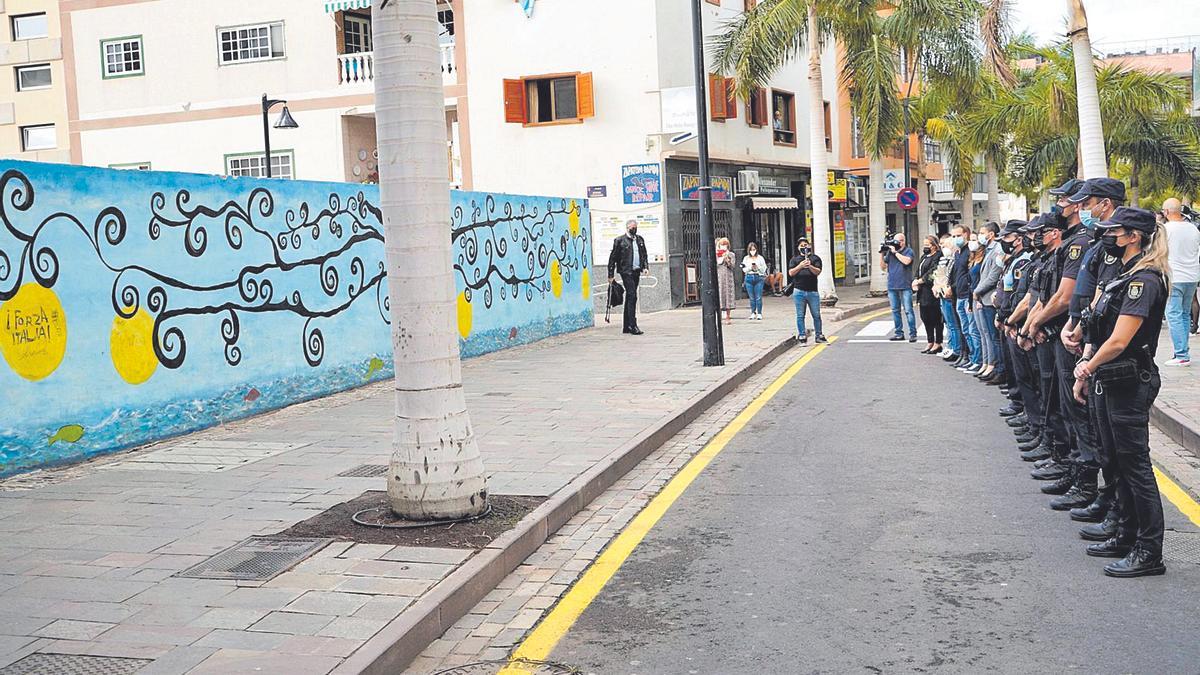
[(1081, 493), (1011, 410), (1113, 547), (1052, 471), (1103, 530), (1036, 454), (1094, 512), (1018, 421), (1031, 436), (1062, 485), (1044, 462), (1141, 562)]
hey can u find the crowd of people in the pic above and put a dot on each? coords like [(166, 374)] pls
[(1062, 314)]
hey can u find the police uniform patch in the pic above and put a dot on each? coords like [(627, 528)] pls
[(1018, 273), (1109, 259), (1135, 290), (1075, 251)]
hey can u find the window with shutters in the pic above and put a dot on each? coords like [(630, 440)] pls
[(828, 126), (751, 4), (783, 117), (564, 98), (756, 109), (722, 98)]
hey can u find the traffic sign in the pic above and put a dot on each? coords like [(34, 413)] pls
[(908, 199)]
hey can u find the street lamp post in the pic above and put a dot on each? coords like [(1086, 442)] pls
[(714, 348), (907, 163), (285, 122)]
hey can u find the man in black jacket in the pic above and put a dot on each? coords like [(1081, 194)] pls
[(629, 259)]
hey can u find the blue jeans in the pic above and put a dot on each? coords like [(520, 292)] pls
[(954, 339), (1179, 317), (987, 317), (754, 289), (898, 297), (970, 331), (810, 300)]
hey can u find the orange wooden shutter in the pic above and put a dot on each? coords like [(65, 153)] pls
[(716, 97), (751, 104), (730, 99), (791, 117), (751, 4), (514, 102), (828, 128), (760, 110), (586, 98)]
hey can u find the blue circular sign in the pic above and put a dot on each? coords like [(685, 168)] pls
[(908, 198)]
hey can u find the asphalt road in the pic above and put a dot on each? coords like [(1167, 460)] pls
[(875, 518)]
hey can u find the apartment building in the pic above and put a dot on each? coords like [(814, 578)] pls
[(33, 104), (577, 99), (177, 85)]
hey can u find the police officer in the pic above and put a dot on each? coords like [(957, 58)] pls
[(1118, 369), (1025, 366), (1008, 295), (1038, 335)]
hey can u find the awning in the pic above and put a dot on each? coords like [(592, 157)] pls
[(339, 5), (773, 203)]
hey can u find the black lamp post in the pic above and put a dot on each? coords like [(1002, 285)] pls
[(714, 347), (285, 122)]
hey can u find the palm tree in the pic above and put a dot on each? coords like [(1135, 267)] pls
[(436, 471), (1091, 127)]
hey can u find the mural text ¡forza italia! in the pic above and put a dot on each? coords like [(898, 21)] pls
[(148, 304)]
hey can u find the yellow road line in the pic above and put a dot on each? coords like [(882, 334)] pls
[(874, 315), (1181, 499), (538, 645)]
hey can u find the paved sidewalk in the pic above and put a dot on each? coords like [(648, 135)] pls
[(1178, 405), (88, 553)]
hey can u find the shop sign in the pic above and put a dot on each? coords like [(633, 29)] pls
[(641, 183), (689, 188)]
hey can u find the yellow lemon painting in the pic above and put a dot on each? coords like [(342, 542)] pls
[(573, 218), (132, 347), (586, 279), (556, 280), (464, 315), (33, 332)]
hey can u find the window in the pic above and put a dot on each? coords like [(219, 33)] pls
[(251, 43), (251, 165), (722, 98), (446, 18), (856, 138), (122, 57), (751, 4), (39, 137), (756, 109), (132, 166), (33, 77), (933, 151), (30, 26), (549, 99), (357, 32), (828, 126), (783, 117)]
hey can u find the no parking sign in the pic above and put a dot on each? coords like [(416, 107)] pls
[(908, 199)]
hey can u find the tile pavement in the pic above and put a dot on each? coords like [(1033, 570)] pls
[(88, 552)]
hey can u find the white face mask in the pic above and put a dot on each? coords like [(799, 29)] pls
[(973, 246), (947, 251)]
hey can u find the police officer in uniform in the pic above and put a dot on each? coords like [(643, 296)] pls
[(1025, 366), (1038, 335), (1118, 369), (1007, 296)]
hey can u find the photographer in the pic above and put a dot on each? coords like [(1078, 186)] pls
[(804, 270), (896, 259)]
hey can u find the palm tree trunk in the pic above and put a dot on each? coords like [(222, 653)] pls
[(819, 160), (1133, 184), (923, 209), (1091, 127), (968, 210), (435, 468), (993, 190), (877, 214)]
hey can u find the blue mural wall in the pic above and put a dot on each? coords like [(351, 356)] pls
[(140, 305)]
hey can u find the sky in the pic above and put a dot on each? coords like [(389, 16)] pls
[(1111, 21)]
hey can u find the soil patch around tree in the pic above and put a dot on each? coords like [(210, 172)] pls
[(336, 523)]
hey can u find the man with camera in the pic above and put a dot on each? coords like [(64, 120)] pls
[(896, 259), (804, 270)]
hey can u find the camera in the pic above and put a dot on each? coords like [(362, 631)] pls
[(889, 242)]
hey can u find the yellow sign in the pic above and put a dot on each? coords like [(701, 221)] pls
[(131, 347), (839, 245), (837, 190), (33, 332)]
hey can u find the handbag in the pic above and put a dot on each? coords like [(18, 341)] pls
[(789, 290), (616, 295)]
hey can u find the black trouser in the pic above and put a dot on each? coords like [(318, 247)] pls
[(1050, 392), (1024, 368), (931, 317), (1123, 427), (1075, 414), (631, 286), (1008, 353)]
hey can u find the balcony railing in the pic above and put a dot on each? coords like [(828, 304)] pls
[(359, 68)]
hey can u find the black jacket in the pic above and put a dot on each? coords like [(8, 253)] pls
[(621, 258)]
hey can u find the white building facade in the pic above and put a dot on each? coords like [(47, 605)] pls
[(580, 99)]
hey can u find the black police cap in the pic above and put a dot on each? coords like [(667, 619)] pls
[(1101, 188), (1013, 227), (1067, 189), (1129, 217), (1034, 224)]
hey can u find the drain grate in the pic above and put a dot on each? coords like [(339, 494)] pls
[(1183, 547), (74, 664), (255, 559), (365, 471), (526, 665)]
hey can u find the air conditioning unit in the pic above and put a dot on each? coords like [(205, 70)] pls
[(747, 183)]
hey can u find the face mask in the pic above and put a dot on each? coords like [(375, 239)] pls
[(1008, 246), (1038, 241), (1089, 221), (973, 246), (960, 242), (633, 231), (753, 253), (927, 250), (1111, 246), (805, 250)]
